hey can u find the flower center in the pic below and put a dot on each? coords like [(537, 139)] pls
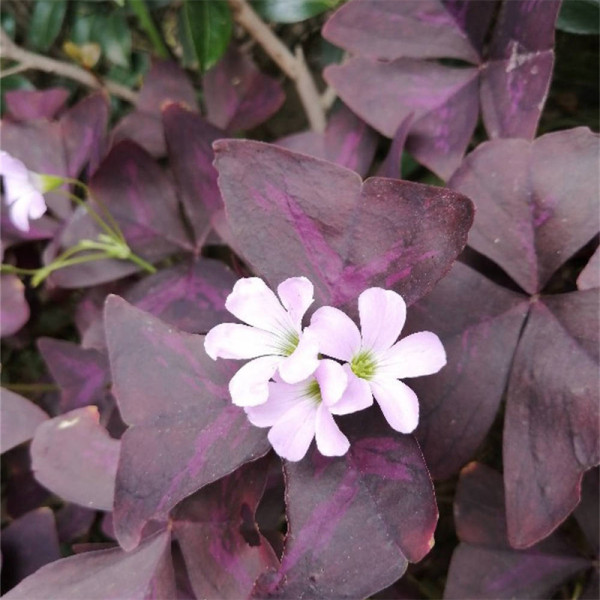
[(363, 365), (289, 343), (313, 391)]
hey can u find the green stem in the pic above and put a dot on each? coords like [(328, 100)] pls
[(142, 263), (147, 24), (43, 273)]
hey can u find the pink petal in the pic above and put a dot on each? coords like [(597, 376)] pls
[(398, 403), (296, 294), (382, 316), (250, 385), (18, 213), (292, 434), (357, 395), (330, 440), (302, 363), (282, 397), (230, 340), (416, 355), (332, 381), (337, 334), (37, 206), (11, 167), (252, 302)]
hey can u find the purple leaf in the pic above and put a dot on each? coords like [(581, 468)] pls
[(388, 30), (237, 94), (74, 457), (81, 373), (459, 404), (536, 202), (587, 513), (84, 133), (295, 215), (14, 309), (184, 432), (19, 420), (189, 140), (147, 572), (26, 105), (391, 166), (165, 82), (28, 543), (483, 565), (216, 530), (354, 521), (348, 141), (589, 278), (73, 522), (190, 296), (552, 412)]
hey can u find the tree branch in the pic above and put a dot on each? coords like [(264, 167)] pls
[(31, 60), (293, 66)]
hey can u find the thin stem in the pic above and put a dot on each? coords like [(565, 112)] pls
[(31, 60), (46, 271), (13, 70), (99, 221), (142, 263), (147, 24), (293, 66)]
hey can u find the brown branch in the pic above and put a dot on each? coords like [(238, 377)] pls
[(293, 66), (31, 60)]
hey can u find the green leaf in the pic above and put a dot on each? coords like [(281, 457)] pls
[(46, 23), (579, 16), (209, 26), (292, 11), (115, 39)]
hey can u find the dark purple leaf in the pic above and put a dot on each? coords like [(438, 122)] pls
[(74, 457), (147, 572), (184, 431), (14, 309), (73, 522), (223, 550), (484, 565), (552, 413), (28, 543), (25, 105), (39, 229), (473, 17), (84, 133), (458, 405), (536, 201), (190, 296), (387, 30), (348, 141), (81, 373), (165, 82), (19, 419), (237, 94), (295, 215), (189, 140), (443, 99), (589, 278), (391, 166), (355, 521)]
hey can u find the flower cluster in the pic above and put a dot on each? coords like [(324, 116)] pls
[(293, 385)]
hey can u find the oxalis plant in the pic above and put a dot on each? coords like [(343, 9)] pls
[(243, 359)]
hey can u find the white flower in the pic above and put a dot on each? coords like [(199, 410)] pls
[(273, 337)]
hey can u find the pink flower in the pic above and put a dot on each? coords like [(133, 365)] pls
[(273, 337), (299, 412), (375, 362), (23, 190)]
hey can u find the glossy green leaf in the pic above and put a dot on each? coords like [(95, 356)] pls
[(292, 11), (209, 26), (46, 22), (115, 39), (579, 16)]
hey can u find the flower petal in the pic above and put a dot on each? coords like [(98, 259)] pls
[(11, 167), (292, 434), (252, 302), (250, 385), (303, 361), (416, 355), (382, 316), (230, 340), (18, 213), (332, 381), (398, 403), (337, 334), (357, 396), (282, 397), (330, 440), (296, 294)]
